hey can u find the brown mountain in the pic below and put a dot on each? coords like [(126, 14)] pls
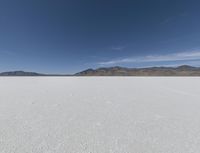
[(183, 70)]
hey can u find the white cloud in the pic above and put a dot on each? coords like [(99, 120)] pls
[(181, 56)]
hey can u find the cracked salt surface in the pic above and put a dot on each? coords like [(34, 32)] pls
[(99, 115)]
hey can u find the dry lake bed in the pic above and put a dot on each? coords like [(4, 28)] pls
[(99, 115)]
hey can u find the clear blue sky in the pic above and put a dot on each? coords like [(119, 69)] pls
[(66, 36)]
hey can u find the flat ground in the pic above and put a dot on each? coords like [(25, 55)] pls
[(99, 115)]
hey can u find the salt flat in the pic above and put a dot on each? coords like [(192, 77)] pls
[(99, 115)]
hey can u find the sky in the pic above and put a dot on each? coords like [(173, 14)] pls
[(68, 36)]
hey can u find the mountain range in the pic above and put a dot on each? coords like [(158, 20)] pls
[(20, 73), (184, 70)]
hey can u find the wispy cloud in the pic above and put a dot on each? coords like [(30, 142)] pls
[(168, 20), (174, 18), (181, 56), (6, 52), (118, 48)]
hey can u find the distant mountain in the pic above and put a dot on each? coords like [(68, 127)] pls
[(184, 70), (20, 73)]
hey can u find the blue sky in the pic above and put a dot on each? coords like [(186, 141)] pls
[(67, 36)]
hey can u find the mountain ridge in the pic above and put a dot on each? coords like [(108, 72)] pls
[(20, 73), (183, 70)]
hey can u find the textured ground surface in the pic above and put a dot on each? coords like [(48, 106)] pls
[(99, 115)]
